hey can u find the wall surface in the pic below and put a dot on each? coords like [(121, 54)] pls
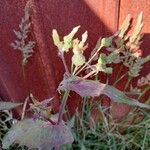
[(44, 70)]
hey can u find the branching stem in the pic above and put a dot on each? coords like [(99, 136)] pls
[(89, 61)]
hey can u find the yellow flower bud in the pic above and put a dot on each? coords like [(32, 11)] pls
[(84, 36), (55, 37)]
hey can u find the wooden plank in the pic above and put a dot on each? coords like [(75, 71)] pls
[(12, 84), (45, 70), (134, 7), (98, 17)]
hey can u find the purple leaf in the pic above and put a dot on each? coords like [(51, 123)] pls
[(90, 88), (38, 134), (82, 87)]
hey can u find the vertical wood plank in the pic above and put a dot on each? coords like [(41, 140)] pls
[(98, 17), (134, 7), (45, 70), (12, 85)]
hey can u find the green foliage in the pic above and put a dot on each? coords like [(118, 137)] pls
[(67, 42), (78, 59), (106, 135), (106, 42), (103, 60)]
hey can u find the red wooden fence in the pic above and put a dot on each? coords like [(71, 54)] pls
[(45, 70)]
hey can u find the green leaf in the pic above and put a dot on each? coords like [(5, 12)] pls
[(113, 57), (38, 134), (102, 59), (78, 59), (68, 39), (56, 39), (108, 70), (8, 105), (102, 62), (106, 42)]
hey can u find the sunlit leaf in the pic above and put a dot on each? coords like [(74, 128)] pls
[(56, 39), (125, 26), (8, 105), (38, 134), (138, 27)]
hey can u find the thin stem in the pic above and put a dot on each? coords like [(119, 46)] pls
[(25, 79), (75, 69), (120, 79), (67, 114), (127, 84), (144, 91), (71, 68), (61, 54), (118, 74), (83, 107), (62, 107), (89, 74), (24, 108), (144, 140), (87, 63)]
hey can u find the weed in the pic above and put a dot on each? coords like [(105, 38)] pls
[(46, 131)]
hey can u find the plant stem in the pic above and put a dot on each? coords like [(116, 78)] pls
[(24, 108), (119, 79), (75, 69), (89, 74), (62, 107), (144, 91), (87, 63), (127, 84), (61, 54), (144, 140), (48, 119), (72, 67), (83, 107), (118, 74)]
